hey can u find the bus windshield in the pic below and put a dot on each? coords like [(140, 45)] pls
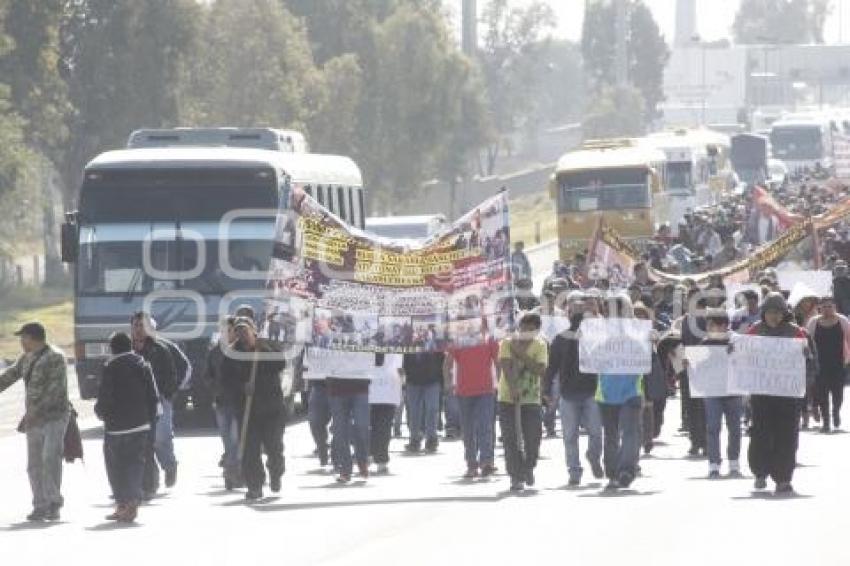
[(679, 176), (798, 142), (115, 267), (608, 189)]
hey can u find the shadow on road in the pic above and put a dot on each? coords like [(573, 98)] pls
[(113, 526), (619, 493), (377, 502), (33, 525), (771, 496)]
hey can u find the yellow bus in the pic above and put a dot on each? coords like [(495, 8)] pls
[(615, 179)]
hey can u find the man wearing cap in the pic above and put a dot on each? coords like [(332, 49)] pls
[(42, 368)]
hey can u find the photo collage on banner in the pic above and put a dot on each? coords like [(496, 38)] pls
[(341, 288)]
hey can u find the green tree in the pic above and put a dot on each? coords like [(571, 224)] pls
[(615, 112), (512, 56), (123, 61), (647, 51), (781, 21)]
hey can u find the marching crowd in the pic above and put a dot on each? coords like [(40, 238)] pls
[(356, 400)]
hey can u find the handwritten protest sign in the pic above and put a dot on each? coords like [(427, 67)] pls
[(764, 365), (708, 370), (615, 346)]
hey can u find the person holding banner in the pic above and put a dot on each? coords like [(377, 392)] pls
[(831, 334), (348, 398), (522, 361), (384, 398), (775, 432), (577, 402), (620, 399), (730, 407)]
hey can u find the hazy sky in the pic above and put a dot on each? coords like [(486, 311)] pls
[(714, 17)]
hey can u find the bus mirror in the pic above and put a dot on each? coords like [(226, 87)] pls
[(69, 242)]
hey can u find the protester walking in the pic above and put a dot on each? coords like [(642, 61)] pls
[(577, 402), (522, 364), (384, 398), (348, 398), (127, 403), (775, 430), (42, 369), (717, 409), (164, 364), (255, 365), (469, 374), (620, 399), (831, 334), (423, 374)]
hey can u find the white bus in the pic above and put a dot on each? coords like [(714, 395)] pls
[(173, 200), (803, 142)]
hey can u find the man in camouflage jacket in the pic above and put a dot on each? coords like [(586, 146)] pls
[(42, 368)]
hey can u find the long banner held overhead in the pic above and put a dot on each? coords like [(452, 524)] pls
[(336, 287)]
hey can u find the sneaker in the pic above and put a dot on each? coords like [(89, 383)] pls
[(383, 469), (53, 513), (625, 479), (647, 448), (431, 446), (574, 481), (171, 477), (761, 483), (825, 429), (596, 468), (274, 484), (343, 478), (413, 447), (471, 473), (693, 452), (254, 494), (363, 470), (517, 486), (37, 515), (488, 470), (714, 475), (529, 477), (784, 488), (612, 486)]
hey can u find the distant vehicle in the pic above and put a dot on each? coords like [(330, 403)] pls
[(172, 202), (618, 179), (697, 171), (749, 155), (289, 141), (777, 174), (803, 143), (406, 227)]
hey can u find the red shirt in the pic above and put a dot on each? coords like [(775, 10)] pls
[(474, 369)]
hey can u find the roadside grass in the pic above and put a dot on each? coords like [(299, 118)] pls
[(52, 307), (526, 212)]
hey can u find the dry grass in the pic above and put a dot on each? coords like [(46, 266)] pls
[(529, 210), (53, 308)]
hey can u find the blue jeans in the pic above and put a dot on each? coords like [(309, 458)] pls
[(227, 420), (163, 444), (423, 404), (576, 412), (124, 455), (350, 414), (622, 425), (452, 413), (550, 411), (715, 409), (319, 415), (477, 420)]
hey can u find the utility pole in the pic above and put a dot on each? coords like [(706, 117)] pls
[(621, 27), (470, 27)]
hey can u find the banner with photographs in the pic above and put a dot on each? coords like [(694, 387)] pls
[(335, 287)]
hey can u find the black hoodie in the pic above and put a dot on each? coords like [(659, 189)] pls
[(563, 362), (127, 398)]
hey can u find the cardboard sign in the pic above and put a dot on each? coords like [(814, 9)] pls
[(708, 370), (764, 365), (615, 346)]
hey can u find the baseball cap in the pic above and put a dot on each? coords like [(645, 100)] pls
[(34, 330)]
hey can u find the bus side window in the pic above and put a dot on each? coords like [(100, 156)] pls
[(351, 210), (362, 219), (340, 199), (320, 195)]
